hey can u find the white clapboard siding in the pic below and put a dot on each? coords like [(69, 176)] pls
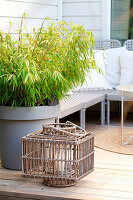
[(84, 12), (37, 10), (96, 34), (92, 23), (82, 9), (16, 9), (80, 1), (43, 2), (29, 23)]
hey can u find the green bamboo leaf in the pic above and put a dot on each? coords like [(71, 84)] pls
[(48, 63), (26, 78), (10, 76)]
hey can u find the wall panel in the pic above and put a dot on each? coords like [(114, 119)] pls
[(37, 10), (84, 12)]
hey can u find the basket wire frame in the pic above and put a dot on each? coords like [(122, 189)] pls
[(61, 154)]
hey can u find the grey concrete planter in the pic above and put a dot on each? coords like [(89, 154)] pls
[(18, 122)]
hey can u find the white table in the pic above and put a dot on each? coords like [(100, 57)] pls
[(126, 90)]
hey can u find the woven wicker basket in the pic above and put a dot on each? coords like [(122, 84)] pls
[(61, 154)]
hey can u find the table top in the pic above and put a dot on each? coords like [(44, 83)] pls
[(126, 90)]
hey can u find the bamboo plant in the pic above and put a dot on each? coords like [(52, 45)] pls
[(46, 64)]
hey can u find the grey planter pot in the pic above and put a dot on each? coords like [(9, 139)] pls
[(18, 122)]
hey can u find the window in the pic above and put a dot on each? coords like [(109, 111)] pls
[(122, 19)]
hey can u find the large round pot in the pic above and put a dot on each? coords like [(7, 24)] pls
[(18, 122)]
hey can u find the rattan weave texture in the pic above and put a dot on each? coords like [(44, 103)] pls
[(61, 154), (107, 44), (129, 44), (78, 101)]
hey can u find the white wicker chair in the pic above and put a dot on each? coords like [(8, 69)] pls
[(129, 44), (107, 44), (79, 101)]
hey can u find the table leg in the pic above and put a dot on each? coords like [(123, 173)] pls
[(122, 113), (82, 118), (122, 106)]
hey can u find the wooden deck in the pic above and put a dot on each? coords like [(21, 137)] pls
[(112, 179)]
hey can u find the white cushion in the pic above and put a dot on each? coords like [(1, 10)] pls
[(95, 80), (126, 63), (112, 68)]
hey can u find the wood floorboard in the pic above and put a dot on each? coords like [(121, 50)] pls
[(112, 179)]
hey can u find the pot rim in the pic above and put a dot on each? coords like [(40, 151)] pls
[(29, 113)]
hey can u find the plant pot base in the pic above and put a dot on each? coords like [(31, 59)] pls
[(16, 123), (12, 132)]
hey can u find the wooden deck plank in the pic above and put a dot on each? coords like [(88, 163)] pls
[(112, 179), (69, 192), (111, 182), (34, 196)]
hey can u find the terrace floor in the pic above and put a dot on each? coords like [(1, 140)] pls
[(112, 179)]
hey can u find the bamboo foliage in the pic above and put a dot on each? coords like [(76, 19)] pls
[(44, 65)]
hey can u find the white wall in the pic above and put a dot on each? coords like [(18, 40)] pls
[(86, 12), (93, 14), (12, 10)]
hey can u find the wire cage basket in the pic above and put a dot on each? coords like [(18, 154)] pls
[(61, 154)]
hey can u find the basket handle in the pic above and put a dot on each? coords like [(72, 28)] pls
[(66, 132)]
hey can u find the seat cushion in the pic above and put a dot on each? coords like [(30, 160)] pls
[(112, 68), (126, 63), (94, 79)]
